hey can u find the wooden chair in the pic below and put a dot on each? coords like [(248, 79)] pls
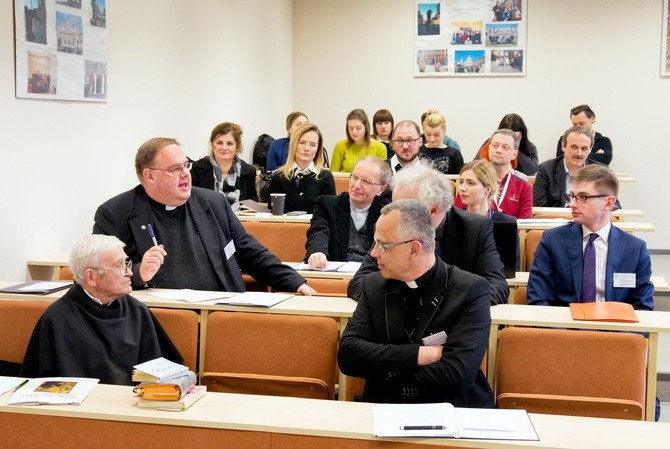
[(569, 372), (520, 295), (284, 240), (17, 321), (329, 287), (182, 327), (341, 184), (280, 355), (532, 240), (65, 274)]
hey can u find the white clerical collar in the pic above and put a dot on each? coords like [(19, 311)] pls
[(96, 300), (412, 284), (357, 210)]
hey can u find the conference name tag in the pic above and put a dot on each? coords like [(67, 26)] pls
[(229, 250), (435, 339), (624, 280)]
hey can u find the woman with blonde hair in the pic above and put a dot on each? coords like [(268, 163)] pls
[(477, 189), (222, 169), (358, 143), (445, 159), (303, 177)]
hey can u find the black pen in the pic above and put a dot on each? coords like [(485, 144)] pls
[(16, 388), (422, 427)]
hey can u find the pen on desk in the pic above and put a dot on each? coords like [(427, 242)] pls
[(152, 235), (16, 388), (422, 427)]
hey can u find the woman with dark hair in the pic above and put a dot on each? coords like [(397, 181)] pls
[(382, 128), (222, 169), (303, 178), (526, 161), (358, 143), (278, 152)]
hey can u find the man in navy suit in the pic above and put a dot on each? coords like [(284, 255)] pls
[(622, 262)]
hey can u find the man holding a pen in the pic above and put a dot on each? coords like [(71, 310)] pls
[(179, 236), (421, 327)]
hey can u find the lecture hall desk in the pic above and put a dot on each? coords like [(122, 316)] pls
[(108, 419)]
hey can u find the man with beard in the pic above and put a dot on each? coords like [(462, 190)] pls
[(407, 141)]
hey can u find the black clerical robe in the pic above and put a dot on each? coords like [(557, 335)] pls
[(76, 337)]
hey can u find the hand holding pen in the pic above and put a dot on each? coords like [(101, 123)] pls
[(153, 258)]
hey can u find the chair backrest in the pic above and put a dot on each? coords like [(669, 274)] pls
[(284, 240), (329, 287), (532, 240), (65, 274), (17, 321), (520, 295), (283, 355), (182, 327), (581, 373), (341, 184)]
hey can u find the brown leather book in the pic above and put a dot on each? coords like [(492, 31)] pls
[(603, 311)]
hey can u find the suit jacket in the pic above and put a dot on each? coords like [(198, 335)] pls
[(556, 273), (203, 176), (127, 215), (328, 231), (467, 242), (549, 186), (500, 217), (374, 344)]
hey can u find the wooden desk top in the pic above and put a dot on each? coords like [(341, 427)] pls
[(521, 280), (546, 316), (550, 223), (619, 213), (267, 217), (334, 419), (332, 306)]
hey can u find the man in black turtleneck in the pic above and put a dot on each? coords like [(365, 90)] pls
[(421, 327)]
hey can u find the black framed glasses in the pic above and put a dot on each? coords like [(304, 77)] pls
[(581, 198), (401, 142)]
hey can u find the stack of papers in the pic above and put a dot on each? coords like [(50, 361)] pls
[(443, 420), (340, 267), (38, 287), (54, 390), (256, 299), (190, 296), (158, 370)]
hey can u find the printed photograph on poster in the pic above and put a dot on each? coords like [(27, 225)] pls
[(506, 61), (466, 33), (35, 20), (506, 10), (428, 19), (469, 61), (498, 34), (41, 74), (71, 3), (69, 33), (61, 50), (665, 45), (95, 84), (98, 13), (432, 61)]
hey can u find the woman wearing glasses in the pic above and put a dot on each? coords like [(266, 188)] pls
[(223, 170), (358, 143), (303, 178)]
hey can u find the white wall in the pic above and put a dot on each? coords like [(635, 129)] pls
[(176, 68), (349, 54)]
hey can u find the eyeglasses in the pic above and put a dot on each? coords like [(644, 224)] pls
[(127, 266), (383, 247), (365, 181), (177, 169), (401, 142), (311, 145), (581, 199)]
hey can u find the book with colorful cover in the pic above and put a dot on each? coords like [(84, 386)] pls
[(53, 391), (192, 396)]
